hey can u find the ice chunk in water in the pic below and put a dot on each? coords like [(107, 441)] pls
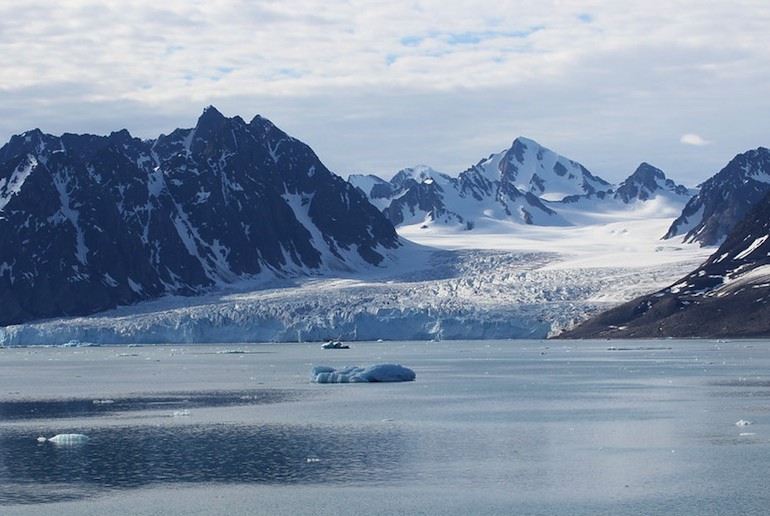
[(354, 374), (65, 439)]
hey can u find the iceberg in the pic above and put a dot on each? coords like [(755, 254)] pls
[(354, 374), (65, 439)]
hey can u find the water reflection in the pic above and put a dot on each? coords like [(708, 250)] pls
[(79, 408), (131, 457)]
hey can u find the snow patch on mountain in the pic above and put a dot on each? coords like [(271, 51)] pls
[(11, 186)]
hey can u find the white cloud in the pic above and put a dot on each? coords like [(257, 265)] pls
[(694, 139), (375, 85)]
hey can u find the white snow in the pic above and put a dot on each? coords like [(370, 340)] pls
[(68, 212), (371, 374), (756, 277), (12, 186), (750, 249), (65, 439)]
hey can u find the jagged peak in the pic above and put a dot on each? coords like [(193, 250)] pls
[(259, 120), (211, 117), (121, 136), (646, 171), (418, 173)]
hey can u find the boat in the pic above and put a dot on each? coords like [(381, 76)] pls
[(335, 344)]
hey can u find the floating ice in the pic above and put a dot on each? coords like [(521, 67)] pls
[(65, 439), (354, 374), (742, 422)]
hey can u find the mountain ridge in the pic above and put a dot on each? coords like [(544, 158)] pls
[(93, 222), (525, 184)]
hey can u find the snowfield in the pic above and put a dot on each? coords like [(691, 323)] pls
[(498, 281)]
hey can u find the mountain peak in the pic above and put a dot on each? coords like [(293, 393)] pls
[(647, 182), (211, 117), (724, 199)]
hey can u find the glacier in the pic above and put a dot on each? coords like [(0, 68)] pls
[(439, 291), (501, 280)]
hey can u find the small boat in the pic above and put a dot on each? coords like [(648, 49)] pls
[(335, 344)]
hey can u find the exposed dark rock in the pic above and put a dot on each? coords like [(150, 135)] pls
[(724, 199), (91, 222)]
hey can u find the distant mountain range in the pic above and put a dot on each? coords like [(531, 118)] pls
[(91, 222), (525, 184)]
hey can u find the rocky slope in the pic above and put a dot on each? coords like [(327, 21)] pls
[(724, 199), (727, 296), (92, 222)]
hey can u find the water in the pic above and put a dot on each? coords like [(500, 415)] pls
[(503, 427)]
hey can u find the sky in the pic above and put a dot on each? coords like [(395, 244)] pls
[(377, 86)]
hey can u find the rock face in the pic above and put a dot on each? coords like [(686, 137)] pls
[(724, 199), (92, 222), (727, 296)]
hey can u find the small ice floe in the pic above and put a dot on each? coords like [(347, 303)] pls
[(311, 460), (743, 422), (182, 413), (103, 402), (354, 374), (65, 439), (79, 344)]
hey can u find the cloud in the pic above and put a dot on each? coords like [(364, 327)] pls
[(376, 85), (694, 139)]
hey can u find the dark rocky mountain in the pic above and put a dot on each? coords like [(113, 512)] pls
[(647, 182), (724, 199), (91, 222), (727, 296)]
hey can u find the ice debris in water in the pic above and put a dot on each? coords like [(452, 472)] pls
[(355, 374), (65, 439), (743, 422)]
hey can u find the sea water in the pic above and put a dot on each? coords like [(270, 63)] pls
[(487, 427)]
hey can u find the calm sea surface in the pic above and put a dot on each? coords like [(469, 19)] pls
[(501, 427)]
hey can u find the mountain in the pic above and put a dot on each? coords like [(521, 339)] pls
[(526, 184), (531, 168), (727, 296), (513, 185), (646, 183), (724, 199), (92, 222)]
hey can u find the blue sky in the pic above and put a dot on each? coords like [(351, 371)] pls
[(375, 86)]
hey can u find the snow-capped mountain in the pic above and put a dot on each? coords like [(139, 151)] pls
[(727, 296), (724, 199), (648, 182), (91, 222), (531, 168), (511, 185), (526, 184)]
